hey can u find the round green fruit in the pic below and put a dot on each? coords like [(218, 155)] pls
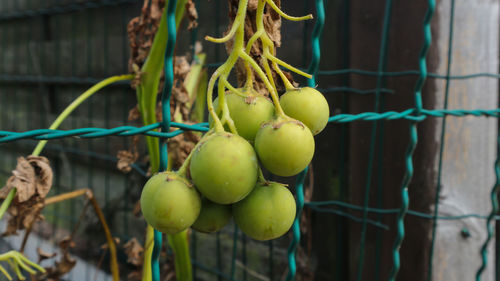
[(224, 168), (170, 203), (213, 217), (267, 213), (285, 147), (308, 106), (248, 112)]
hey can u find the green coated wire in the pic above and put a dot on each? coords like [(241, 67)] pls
[(299, 184), (149, 130), (442, 141), (494, 210), (318, 204), (413, 140), (165, 123)]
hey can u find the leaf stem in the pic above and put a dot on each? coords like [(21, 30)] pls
[(6, 203), (87, 94)]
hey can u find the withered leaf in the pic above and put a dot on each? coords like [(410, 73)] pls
[(192, 14), (182, 67), (66, 243), (64, 266), (136, 211), (24, 214), (23, 179), (32, 175), (134, 252), (252, 5), (105, 246), (125, 160), (43, 172), (42, 255), (134, 114)]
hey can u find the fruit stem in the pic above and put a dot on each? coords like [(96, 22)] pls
[(286, 65), (281, 13), (87, 94), (183, 168), (237, 30), (286, 82), (262, 76), (251, 41)]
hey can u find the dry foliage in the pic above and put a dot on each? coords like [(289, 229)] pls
[(32, 179), (141, 31), (134, 252), (191, 14), (128, 157), (64, 265)]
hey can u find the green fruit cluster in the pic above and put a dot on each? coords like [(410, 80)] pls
[(224, 178)]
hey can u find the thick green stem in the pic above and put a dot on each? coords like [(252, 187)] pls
[(224, 70), (180, 246)]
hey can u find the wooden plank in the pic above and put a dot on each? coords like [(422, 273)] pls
[(470, 143), (405, 42)]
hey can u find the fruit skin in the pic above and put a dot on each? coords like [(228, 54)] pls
[(213, 217), (248, 113), (170, 203), (285, 146), (267, 213), (307, 105), (224, 168)]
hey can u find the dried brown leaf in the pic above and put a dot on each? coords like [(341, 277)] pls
[(134, 252), (125, 160), (105, 246), (66, 243), (192, 15), (272, 23), (23, 179), (22, 215), (252, 5), (134, 114), (42, 255), (62, 267), (136, 211), (43, 172), (141, 31)]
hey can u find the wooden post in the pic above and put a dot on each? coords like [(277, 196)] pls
[(470, 143)]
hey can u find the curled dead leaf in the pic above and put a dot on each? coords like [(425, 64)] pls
[(60, 268), (134, 252), (105, 246), (66, 243), (134, 114), (43, 173), (42, 255), (125, 160), (23, 179), (192, 14)]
